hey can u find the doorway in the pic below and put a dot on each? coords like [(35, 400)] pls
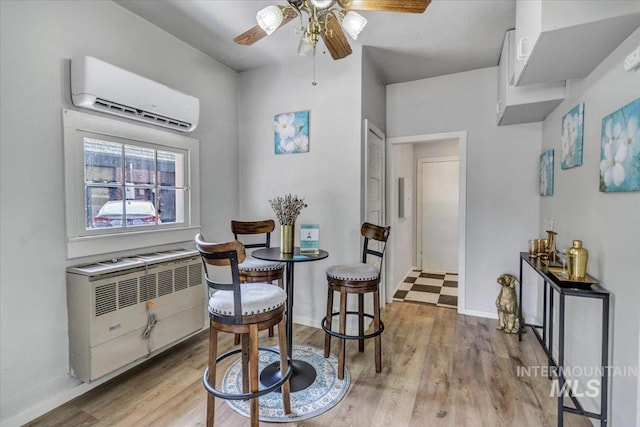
[(437, 214), (403, 153)]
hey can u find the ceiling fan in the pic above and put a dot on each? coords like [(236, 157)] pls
[(328, 19)]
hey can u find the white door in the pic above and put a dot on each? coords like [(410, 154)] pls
[(439, 179), (374, 184)]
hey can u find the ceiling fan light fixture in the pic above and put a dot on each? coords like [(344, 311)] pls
[(306, 47), (270, 18), (323, 4), (353, 23)]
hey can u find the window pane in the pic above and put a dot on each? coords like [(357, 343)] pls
[(140, 212), (110, 213), (170, 169), (139, 164), (171, 204), (104, 207), (102, 161)]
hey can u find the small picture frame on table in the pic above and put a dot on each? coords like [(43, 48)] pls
[(309, 238)]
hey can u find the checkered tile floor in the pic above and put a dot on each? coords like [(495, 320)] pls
[(429, 287)]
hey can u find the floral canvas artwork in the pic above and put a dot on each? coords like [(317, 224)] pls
[(620, 149), (291, 132), (546, 173), (572, 125)]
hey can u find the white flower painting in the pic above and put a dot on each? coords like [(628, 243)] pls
[(546, 173), (291, 132), (572, 125), (620, 150)]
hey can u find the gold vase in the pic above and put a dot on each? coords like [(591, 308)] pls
[(577, 261), (286, 239)]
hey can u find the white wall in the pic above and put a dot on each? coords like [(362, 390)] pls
[(502, 168), (328, 176), (374, 94), (402, 249), (37, 40), (607, 223)]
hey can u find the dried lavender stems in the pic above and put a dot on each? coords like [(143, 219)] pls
[(287, 208)]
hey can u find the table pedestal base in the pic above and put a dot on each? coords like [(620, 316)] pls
[(304, 374)]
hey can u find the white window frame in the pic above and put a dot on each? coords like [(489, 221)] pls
[(82, 242)]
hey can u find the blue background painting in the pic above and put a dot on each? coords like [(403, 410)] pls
[(291, 133), (572, 125), (546, 173), (620, 149)]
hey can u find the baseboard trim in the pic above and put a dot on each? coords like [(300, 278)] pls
[(478, 313)]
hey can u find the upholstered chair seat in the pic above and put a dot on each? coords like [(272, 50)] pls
[(256, 298), (358, 271), (252, 264)]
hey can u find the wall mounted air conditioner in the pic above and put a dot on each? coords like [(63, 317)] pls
[(99, 86)]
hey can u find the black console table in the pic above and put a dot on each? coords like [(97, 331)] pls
[(544, 332)]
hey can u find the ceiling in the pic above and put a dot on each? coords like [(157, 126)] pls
[(451, 36)]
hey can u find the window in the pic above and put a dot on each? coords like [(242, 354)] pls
[(127, 185), (130, 185)]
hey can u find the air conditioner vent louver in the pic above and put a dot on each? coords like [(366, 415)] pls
[(123, 110), (127, 292), (181, 278), (195, 275), (165, 282), (148, 287), (105, 299)]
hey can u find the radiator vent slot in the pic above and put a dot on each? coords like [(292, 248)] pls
[(181, 278), (105, 299), (127, 292), (195, 274)]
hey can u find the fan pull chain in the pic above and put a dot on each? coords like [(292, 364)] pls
[(314, 83)]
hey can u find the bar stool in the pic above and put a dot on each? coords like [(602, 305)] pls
[(255, 270), (242, 308), (360, 278)]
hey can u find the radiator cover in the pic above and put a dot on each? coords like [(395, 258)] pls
[(107, 306)]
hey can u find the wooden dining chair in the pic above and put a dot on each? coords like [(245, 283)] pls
[(242, 308), (360, 279), (256, 234)]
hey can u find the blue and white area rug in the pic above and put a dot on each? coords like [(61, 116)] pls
[(323, 394)]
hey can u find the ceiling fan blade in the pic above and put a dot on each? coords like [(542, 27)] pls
[(336, 41), (406, 6), (256, 33), (251, 36)]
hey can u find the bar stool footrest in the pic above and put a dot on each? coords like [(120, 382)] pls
[(245, 396), (351, 337)]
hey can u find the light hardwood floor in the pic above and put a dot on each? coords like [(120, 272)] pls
[(439, 368)]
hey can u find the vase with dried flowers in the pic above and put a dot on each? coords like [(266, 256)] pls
[(287, 209)]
